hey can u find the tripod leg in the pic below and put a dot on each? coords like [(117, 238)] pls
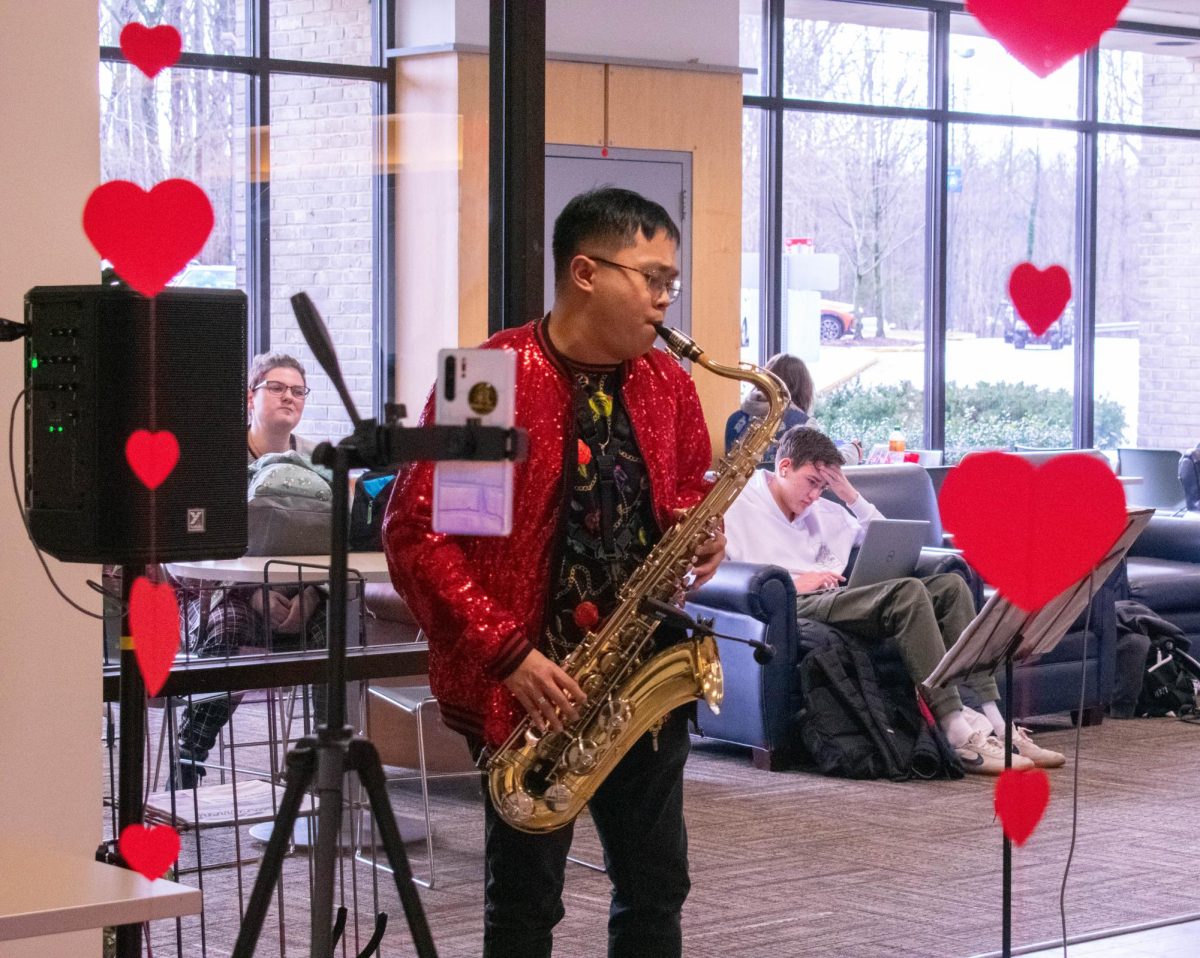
[(364, 759), (301, 766)]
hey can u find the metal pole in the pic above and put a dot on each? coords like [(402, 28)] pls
[(516, 162)]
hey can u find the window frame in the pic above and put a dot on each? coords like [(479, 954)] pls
[(773, 106), (258, 67)]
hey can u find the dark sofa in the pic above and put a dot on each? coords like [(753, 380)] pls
[(1163, 569), (752, 601)]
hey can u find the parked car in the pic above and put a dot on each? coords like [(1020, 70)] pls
[(837, 320), (1060, 333)]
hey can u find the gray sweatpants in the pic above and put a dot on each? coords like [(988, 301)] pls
[(926, 616)]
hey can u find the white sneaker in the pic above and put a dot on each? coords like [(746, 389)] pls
[(1041, 757), (984, 755)]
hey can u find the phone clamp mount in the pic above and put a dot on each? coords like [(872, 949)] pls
[(324, 759)]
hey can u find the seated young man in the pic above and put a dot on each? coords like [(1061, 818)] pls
[(781, 519)]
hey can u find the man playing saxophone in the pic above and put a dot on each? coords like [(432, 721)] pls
[(618, 448)]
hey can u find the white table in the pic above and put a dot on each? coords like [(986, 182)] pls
[(43, 893), (372, 566)]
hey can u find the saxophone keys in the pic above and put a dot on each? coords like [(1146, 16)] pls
[(558, 797), (517, 806), (609, 662), (581, 756), (593, 684)]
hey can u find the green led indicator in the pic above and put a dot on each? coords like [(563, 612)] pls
[(52, 429), (60, 428), (33, 364)]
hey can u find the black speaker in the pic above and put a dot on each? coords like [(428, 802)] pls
[(96, 357)]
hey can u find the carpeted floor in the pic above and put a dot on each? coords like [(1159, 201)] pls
[(795, 864)]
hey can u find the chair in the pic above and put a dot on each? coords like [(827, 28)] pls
[(1160, 487), (389, 708)]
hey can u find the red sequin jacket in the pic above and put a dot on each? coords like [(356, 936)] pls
[(481, 599)]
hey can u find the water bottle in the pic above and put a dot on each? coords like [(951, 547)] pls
[(896, 441)]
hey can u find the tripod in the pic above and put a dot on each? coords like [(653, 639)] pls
[(325, 758)]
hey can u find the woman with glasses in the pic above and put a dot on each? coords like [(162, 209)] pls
[(224, 620), (275, 402)]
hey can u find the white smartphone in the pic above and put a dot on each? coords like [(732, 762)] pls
[(474, 498)]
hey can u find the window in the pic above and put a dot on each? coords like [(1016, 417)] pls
[(286, 146), (869, 143)]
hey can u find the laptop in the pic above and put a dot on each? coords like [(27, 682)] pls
[(890, 549)]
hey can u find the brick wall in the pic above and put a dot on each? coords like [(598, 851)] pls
[(1168, 245), (322, 160)]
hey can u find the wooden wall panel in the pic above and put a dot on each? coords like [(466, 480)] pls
[(575, 103), (700, 113)]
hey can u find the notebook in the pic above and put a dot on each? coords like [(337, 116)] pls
[(890, 550)]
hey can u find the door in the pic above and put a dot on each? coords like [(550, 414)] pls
[(664, 176)]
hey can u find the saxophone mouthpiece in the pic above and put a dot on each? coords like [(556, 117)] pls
[(681, 345)]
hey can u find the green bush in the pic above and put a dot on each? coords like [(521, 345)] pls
[(983, 416)]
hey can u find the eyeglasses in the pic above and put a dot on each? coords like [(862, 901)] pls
[(276, 388), (657, 282)]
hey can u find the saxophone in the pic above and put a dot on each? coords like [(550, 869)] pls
[(540, 781)]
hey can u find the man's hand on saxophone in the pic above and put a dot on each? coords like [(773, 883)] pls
[(708, 555), (545, 691)]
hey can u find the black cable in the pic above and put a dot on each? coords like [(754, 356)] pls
[(12, 469), (1062, 891)]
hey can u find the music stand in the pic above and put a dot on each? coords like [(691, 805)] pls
[(1003, 633)]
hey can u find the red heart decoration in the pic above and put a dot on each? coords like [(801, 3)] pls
[(1039, 295), (148, 237), (1020, 801), (1032, 532), (150, 851), (152, 456), (150, 50), (1045, 34), (154, 624)]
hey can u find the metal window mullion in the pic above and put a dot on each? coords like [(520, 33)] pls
[(936, 234), (383, 327), (771, 237), (1086, 220), (259, 211)]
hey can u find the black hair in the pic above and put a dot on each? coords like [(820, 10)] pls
[(610, 218), (803, 445)]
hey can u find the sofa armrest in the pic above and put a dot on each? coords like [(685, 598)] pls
[(1169, 537), (934, 561), (758, 602)]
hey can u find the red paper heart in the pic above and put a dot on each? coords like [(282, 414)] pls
[(150, 851), (1032, 532), (150, 50), (1045, 34), (154, 624), (1020, 801), (148, 237), (152, 456), (1039, 295)]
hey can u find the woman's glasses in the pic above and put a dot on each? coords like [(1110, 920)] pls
[(276, 388)]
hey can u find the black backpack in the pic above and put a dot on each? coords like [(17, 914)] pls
[(371, 493), (851, 726), (1167, 683)]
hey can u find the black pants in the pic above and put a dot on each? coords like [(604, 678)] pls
[(638, 812)]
